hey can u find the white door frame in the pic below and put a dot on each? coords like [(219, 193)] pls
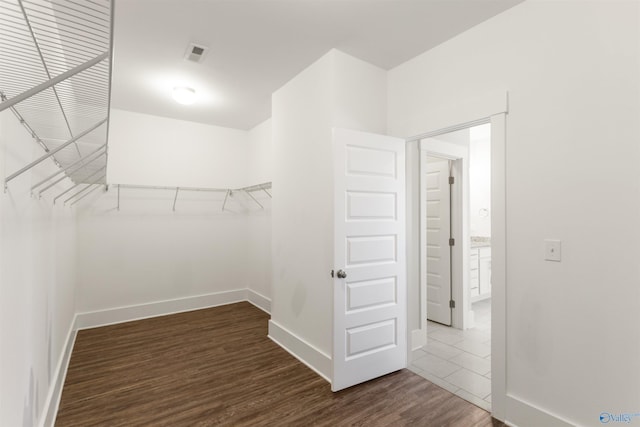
[(492, 108), (460, 316)]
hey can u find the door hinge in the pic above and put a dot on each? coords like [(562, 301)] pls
[(452, 304), (452, 241), (332, 274), (451, 180)]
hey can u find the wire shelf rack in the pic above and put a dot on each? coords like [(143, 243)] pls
[(40, 42)]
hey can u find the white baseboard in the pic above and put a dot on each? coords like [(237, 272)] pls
[(52, 402), (523, 414), (137, 312), (160, 308), (259, 300), (301, 350)]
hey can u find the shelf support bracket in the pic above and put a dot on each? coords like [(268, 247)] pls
[(52, 152), (225, 199), (254, 199), (77, 193), (85, 195), (175, 199), (69, 189), (88, 156)]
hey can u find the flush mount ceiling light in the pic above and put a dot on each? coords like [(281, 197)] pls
[(184, 95)]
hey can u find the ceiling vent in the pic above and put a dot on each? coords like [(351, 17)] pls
[(196, 52)]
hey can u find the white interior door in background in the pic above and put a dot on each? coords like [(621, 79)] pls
[(370, 307), (438, 211)]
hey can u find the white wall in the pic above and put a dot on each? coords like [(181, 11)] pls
[(152, 150), (37, 281), (259, 170), (259, 154), (302, 205), (337, 90), (146, 252), (571, 69), (359, 96)]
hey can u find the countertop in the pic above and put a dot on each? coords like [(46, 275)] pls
[(480, 241)]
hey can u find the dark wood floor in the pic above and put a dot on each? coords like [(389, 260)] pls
[(217, 367)]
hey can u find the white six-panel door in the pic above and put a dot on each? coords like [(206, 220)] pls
[(369, 329), (438, 211)]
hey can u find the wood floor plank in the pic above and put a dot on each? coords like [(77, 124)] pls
[(217, 367)]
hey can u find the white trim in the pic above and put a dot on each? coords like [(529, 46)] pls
[(306, 353), (51, 404), (521, 413), (450, 129), (416, 313), (137, 312), (458, 115), (259, 300), (493, 108), (498, 267), (159, 308), (498, 263), (418, 336)]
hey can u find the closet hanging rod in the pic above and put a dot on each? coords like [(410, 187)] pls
[(160, 187), (228, 191), (258, 187)]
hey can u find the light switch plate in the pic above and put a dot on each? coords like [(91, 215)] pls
[(552, 250)]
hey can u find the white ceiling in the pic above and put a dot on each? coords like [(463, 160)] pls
[(256, 46)]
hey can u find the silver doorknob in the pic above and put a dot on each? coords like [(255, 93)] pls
[(341, 274)]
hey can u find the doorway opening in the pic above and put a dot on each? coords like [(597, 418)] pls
[(455, 193)]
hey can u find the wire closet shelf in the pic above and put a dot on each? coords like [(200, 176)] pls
[(264, 187), (55, 77)]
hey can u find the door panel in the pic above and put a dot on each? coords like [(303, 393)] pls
[(371, 293), (369, 329), (371, 250), (438, 233), (373, 206)]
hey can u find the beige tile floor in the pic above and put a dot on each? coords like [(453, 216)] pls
[(459, 361)]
